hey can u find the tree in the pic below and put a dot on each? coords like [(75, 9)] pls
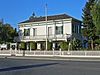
[(33, 45), (22, 45), (64, 45), (10, 32), (96, 19), (1, 31), (49, 45), (7, 33), (76, 44), (88, 25), (96, 16)]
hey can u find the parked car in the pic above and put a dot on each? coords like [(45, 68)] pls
[(3, 46)]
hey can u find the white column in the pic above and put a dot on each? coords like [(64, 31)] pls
[(54, 45), (30, 48), (60, 51), (31, 32), (27, 45), (69, 47), (38, 46), (54, 30)]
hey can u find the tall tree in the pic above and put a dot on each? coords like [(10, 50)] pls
[(7, 33), (89, 27), (96, 16), (1, 31)]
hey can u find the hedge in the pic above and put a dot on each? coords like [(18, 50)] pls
[(64, 45), (22, 46), (33, 45)]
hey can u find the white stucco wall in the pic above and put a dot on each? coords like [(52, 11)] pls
[(67, 28), (41, 26)]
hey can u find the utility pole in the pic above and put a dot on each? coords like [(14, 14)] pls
[(46, 26)]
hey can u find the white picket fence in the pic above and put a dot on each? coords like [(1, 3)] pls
[(49, 53)]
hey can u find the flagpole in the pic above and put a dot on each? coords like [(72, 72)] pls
[(46, 25)]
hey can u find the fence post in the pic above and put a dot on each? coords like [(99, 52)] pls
[(60, 51), (53, 52), (85, 53)]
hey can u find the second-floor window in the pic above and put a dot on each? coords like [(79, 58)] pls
[(76, 29), (73, 28), (34, 31), (49, 31), (59, 29), (26, 32)]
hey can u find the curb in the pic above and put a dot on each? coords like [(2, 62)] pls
[(53, 58)]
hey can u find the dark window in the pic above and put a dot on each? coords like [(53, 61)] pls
[(73, 28), (34, 31), (59, 29), (26, 32)]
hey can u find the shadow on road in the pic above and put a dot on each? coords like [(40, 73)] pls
[(25, 67)]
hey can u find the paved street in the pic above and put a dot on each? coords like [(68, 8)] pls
[(48, 67)]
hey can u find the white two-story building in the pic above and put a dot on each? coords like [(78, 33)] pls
[(57, 28)]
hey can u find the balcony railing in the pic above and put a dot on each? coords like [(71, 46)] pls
[(43, 37)]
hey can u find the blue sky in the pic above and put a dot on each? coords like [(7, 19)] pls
[(15, 11)]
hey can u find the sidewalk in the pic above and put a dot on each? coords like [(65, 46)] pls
[(85, 58)]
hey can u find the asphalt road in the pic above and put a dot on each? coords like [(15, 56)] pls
[(48, 67)]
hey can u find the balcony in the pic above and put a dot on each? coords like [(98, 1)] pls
[(43, 37)]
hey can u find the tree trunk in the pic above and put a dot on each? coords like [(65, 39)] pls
[(92, 47)]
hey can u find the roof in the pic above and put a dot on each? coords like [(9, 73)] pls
[(53, 17)]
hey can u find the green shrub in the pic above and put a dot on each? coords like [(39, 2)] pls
[(76, 44), (33, 45), (49, 45), (22, 45), (64, 45)]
